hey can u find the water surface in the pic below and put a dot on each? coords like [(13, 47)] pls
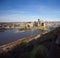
[(11, 35)]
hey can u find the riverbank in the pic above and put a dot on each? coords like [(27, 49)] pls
[(8, 47), (33, 28), (44, 46), (12, 35)]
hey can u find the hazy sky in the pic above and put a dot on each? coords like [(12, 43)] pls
[(29, 10)]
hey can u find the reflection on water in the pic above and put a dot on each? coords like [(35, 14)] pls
[(12, 35)]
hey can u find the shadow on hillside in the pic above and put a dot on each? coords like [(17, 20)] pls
[(31, 49)]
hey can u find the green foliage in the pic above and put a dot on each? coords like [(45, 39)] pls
[(43, 28), (39, 52), (23, 44)]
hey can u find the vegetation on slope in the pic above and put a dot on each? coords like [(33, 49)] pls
[(39, 52), (37, 48)]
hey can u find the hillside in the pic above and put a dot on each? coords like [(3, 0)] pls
[(47, 46)]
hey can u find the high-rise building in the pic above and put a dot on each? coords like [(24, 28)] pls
[(39, 22)]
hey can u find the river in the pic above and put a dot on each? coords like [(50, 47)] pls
[(12, 35)]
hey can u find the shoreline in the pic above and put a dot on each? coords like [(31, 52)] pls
[(9, 46)]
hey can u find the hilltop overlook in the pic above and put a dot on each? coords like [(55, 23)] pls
[(29, 28), (47, 46)]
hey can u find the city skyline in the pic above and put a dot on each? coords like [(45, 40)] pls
[(29, 10)]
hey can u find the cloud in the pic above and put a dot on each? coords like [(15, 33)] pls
[(31, 13), (17, 17), (13, 12)]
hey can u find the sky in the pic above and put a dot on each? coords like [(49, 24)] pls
[(29, 10)]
